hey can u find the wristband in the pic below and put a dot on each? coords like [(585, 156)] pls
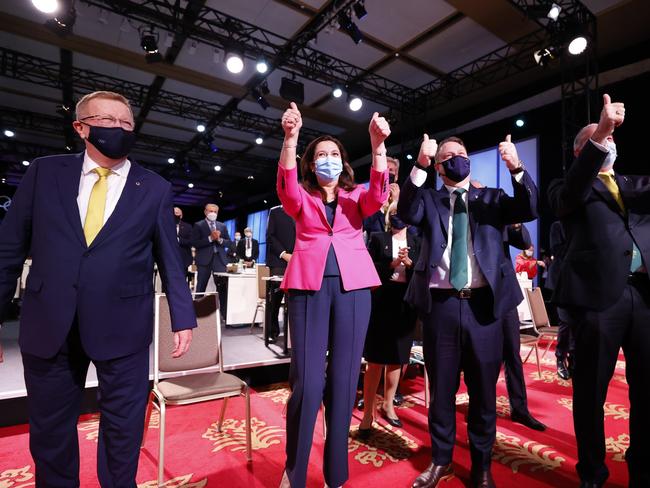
[(419, 166)]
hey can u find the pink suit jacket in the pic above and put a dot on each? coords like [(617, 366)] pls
[(314, 234)]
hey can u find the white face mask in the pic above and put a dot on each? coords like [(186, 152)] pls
[(611, 155), (212, 216), (249, 235), (528, 253)]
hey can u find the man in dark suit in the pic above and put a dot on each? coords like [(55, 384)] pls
[(184, 236), (463, 288), (248, 249), (604, 284), (280, 238), (94, 224), (212, 243)]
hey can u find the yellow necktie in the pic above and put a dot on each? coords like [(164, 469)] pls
[(610, 184), (96, 205)]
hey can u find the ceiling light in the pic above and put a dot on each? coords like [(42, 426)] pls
[(554, 12), (190, 185), (200, 128), (171, 160), (355, 103), (234, 62), (578, 45), (360, 9), (544, 56), (259, 98), (265, 202), (262, 66), (62, 24), (351, 29), (259, 140), (25, 163), (217, 168), (46, 6), (337, 91), (149, 44), (409, 157), (519, 123), (9, 133), (251, 177), (264, 88)]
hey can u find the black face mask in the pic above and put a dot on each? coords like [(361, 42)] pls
[(178, 219), (112, 142), (396, 223), (457, 168), (391, 178)]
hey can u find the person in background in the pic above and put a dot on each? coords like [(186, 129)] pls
[(280, 239), (604, 283), (379, 221), (232, 251), (248, 248), (184, 236), (392, 321), (328, 280), (526, 262)]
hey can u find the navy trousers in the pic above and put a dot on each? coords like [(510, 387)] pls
[(512, 366), (55, 389), (461, 334), (599, 336), (328, 320)]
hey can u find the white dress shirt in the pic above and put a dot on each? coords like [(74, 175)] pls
[(248, 251), (399, 273), (116, 182), (440, 274)]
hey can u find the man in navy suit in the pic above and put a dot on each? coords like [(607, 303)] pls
[(605, 287), (212, 243), (184, 234), (94, 224), (463, 288)]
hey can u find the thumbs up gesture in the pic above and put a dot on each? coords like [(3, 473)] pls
[(428, 150), (508, 153), (612, 115), (291, 123), (379, 130)]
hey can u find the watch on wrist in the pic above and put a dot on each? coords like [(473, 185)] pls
[(419, 166), (518, 169)]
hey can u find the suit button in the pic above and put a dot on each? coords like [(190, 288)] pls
[(330, 233)]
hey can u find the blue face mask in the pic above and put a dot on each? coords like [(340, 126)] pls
[(611, 155), (457, 168), (329, 168)]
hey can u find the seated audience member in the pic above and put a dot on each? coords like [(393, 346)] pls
[(526, 262)]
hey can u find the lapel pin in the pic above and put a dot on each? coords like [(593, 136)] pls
[(137, 183)]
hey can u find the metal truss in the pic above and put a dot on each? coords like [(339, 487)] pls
[(572, 14), (25, 67)]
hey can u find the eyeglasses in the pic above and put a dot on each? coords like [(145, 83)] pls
[(109, 121)]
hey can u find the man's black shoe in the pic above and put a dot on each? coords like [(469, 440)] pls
[(528, 420)]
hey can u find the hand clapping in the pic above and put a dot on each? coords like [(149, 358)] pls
[(379, 130), (291, 122), (508, 153), (428, 150)]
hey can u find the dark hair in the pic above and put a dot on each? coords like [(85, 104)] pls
[(309, 180), (455, 139)]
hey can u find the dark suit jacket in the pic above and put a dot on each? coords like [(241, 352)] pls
[(519, 238), (599, 237), (241, 250), (205, 248), (107, 286), (380, 248), (490, 209), (557, 244), (280, 237), (375, 223), (185, 243)]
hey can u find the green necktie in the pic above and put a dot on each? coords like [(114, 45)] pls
[(458, 262), (610, 183)]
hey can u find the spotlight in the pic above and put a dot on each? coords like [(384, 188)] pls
[(554, 12), (345, 21), (62, 24), (234, 61), (217, 168), (265, 202), (360, 9), (262, 66), (200, 128), (264, 88), (192, 49), (190, 185), (292, 90), (259, 140), (9, 133), (171, 160), (259, 98), (46, 6), (337, 91), (251, 177), (519, 123), (546, 55), (213, 147), (409, 156), (25, 163), (578, 45), (63, 110), (355, 103), (149, 44)]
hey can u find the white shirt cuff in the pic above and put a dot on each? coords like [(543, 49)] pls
[(604, 149), (418, 176), (519, 176), (282, 254)]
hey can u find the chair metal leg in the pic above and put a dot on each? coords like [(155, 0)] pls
[(223, 413), (530, 351), (147, 418), (254, 317), (249, 447), (161, 446), (550, 340), (539, 368)]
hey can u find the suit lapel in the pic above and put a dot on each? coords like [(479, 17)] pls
[(441, 201), (68, 185), (626, 188), (134, 190), (601, 190)]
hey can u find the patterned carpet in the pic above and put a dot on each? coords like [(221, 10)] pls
[(198, 456)]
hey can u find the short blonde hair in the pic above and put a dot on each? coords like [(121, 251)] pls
[(106, 95), (395, 161)]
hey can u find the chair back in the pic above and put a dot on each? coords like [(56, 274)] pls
[(262, 272), (537, 307), (205, 349)]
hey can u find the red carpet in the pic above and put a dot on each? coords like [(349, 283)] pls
[(198, 456)]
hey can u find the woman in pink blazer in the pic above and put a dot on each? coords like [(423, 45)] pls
[(328, 281)]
